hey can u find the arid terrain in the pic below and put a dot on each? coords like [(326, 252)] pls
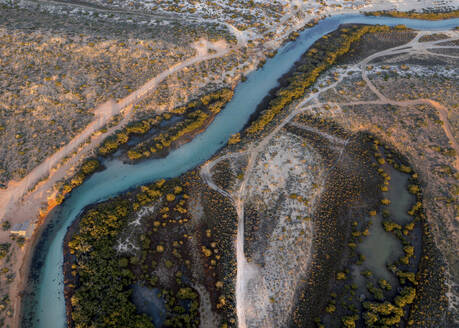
[(415, 110), (407, 97), (248, 237), (329, 180)]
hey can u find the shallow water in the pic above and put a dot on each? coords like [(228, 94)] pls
[(49, 307), (400, 199), (148, 301), (380, 247)]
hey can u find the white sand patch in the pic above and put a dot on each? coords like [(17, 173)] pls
[(208, 318), (414, 71), (285, 167), (452, 295), (126, 243)]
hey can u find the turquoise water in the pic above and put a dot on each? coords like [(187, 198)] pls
[(49, 307)]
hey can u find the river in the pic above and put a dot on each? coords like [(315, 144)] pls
[(48, 310)]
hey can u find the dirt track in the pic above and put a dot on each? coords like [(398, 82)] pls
[(22, 200), (244, 268)]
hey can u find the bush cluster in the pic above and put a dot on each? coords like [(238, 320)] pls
[(321, 56)]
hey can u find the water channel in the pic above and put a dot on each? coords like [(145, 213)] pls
[(48, 303)]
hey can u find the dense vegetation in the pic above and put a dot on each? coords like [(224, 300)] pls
[(415, 15), (387, 309), (351, 190), (112, 143), (88, 167), (192, 118), (416, 294), (147, 237), (101, 298), (323, 54), (386, 305), (105, 273)]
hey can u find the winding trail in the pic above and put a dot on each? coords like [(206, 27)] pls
[(327, 136), (11, 205), (22, 201), (415, 47), (245, 270)]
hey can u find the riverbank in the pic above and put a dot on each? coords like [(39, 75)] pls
[(323, 54), (416, 15), (31, 265), (94, 165), (103, 175), (156, 136), (68, 268), (213, 278)]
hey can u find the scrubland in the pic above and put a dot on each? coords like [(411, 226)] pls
[(56, 71), (416, 130)]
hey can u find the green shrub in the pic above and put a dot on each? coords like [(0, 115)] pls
[(321, 57), (6, 225), (341, 276), (414, 189)]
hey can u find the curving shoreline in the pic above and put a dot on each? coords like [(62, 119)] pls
[(416, 15), (10, 199)]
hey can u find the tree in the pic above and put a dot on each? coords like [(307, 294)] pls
[(370, 318), (414, 189), (330, 308), (349, 321), (341, 276), (384, 284), (406, 297), (6, 225)]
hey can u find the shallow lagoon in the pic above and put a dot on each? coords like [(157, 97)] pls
[(382, 248)]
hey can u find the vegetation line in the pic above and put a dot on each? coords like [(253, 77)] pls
[(320, 57), (416, 15)]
